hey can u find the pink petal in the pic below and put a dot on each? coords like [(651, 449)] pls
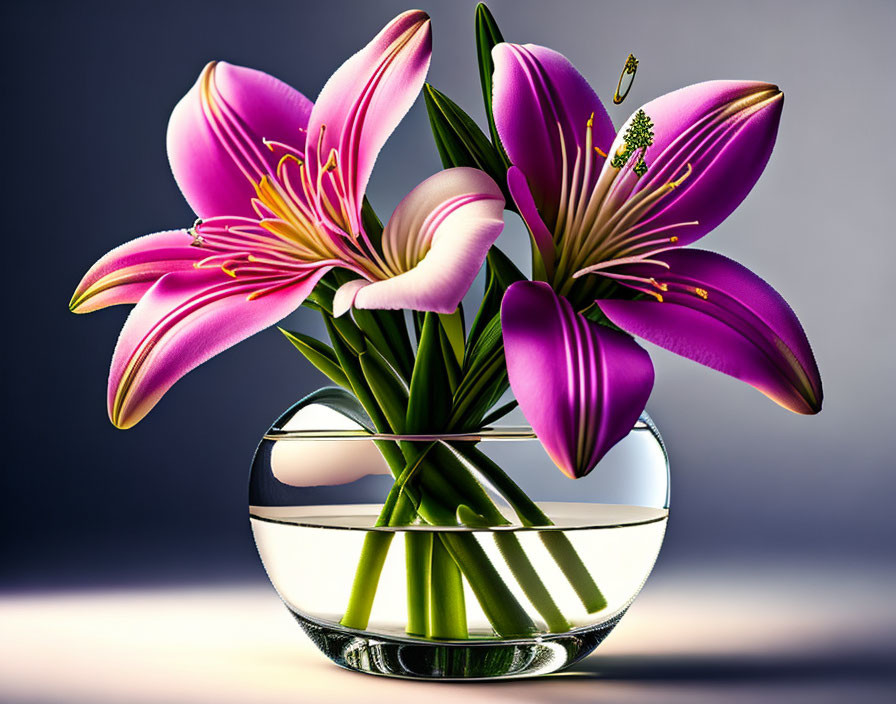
[(364, 101), (215, 136), (735, 323), (724, 131), (582, 386), (435, 243), (542, 105), (183, 320), (126, 273)]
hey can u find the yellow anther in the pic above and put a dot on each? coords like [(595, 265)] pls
[(661, 286), (227, 271), (673, 239), (331, 162), (267, 143), (621, 150), (677, 182), (702, 292), (601, 152), (590, 123), (285, 157)]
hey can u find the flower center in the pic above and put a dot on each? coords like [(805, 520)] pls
[(600, 224)]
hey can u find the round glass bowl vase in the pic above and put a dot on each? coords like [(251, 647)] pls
[(452, 556)]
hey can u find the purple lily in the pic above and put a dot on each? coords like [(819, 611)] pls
[(581, 385), (620, 206), (277, 184)]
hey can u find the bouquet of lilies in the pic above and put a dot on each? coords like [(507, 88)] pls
[(278, 187)]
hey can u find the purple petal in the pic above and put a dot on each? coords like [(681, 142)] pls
[(723, 132), (363, 102), (126, 273), (215, 136), (541, 236), (434, 244), (185, 319), (580, 385), (720, 314), (539, 96)]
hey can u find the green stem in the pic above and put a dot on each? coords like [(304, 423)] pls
[(373, 556), (447, 610), (418, 548), (557, 544), (501, 607), (525, 574)]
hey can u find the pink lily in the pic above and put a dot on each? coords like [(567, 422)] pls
[(620, 206), (277, 184)]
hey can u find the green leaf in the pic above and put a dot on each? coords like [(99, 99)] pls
[(453, 327), (320, 355), (350, 365), (500, 272), (460, 141), (388, 391), (350, 333), (499, 412), (371, 223), (339, 400), (429, 403), (487, 36), (386, 330), (449, 356)]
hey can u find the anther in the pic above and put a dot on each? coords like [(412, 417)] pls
[(702, 292), (673, 239)]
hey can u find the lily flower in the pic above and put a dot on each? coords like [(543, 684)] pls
[(609, 212), (278, 184)]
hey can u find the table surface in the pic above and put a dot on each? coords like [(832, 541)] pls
[(745, 633)]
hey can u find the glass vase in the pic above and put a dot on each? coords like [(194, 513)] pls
[(452, 556)]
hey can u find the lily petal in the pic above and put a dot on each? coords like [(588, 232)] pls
[(541, 236), (721, 314), (127, 272), (434, 244), (361, 105), (216, 133), (542, 106), (185, 319), (714, 139), (580, 385)]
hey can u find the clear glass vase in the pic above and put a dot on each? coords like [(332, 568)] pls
[(452, 556)]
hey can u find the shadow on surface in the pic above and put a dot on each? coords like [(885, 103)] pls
[(821, 667)]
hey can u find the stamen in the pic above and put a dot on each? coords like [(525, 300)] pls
[(702, 292)]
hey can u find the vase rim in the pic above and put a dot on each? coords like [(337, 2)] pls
[(491, 433)]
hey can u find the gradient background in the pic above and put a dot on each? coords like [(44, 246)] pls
[(87, 90)]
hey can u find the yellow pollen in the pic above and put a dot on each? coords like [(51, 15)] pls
[(661, 286), (599, 151), (331, 162), (591, 121), (677, 182), (621, 150), (702, 292), (227, 271), (673, 239)]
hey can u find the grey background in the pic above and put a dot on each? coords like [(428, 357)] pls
[(87, 90)]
